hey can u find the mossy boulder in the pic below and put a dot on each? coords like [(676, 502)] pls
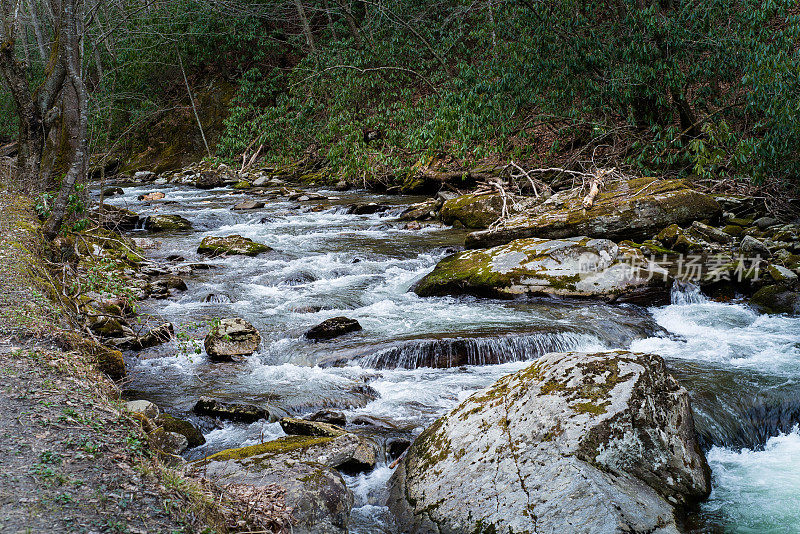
[(304, 466), (630, 209), (163, 223), (576, 442), (473, 211), (107, 359), (777, 298), (230, 246), (194, 437), (578, 267)]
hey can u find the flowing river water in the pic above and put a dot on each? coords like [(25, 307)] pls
[(422, 356)]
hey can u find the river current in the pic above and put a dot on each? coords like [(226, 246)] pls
[(425, 355)]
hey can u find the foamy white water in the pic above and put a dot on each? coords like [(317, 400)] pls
[(757, 491)]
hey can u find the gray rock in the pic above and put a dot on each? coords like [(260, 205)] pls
[(331, 328), (303, 427), (168, 442), (304, 466), (765, 222), (231, 337), (579, 267), (577, 442), (248, 205), (144, 176), (711, 233), (261, 182), (144, 407), (332, 417), (752, 246), (245, 413)]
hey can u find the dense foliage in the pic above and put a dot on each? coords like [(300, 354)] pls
[(705, 87)]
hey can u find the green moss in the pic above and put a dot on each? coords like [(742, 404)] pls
[(278, 446), (590, 407), (733, 230)]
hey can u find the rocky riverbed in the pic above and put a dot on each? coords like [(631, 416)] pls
[(295, 262)]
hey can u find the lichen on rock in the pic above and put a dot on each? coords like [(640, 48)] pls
[(610, 433), (579, 267)]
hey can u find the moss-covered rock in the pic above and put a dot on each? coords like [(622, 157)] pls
[(632, 209), (231, 245), (578, 266), (777, 298), (611, 434), (304, 466), (172, 424), (473, 211), (162, 223), (108, 360)]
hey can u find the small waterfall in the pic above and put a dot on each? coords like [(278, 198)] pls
[(686, 293), (455, 352)]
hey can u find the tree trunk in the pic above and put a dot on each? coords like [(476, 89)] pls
[(77, 169), (301, 13)]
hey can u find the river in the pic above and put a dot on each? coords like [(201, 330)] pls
[(424, 355)]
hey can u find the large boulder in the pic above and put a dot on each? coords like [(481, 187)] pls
[(305, 467), (577, 267), (162, 223), (230, 246), (231, 337), (473, 211), (576, 442), (632, 209)]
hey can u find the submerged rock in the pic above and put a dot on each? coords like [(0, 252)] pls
[(231, 245), (244, 413), (334, 327), (163, 223), (579, 267), (231, 337), (632, 209), (574, 443)]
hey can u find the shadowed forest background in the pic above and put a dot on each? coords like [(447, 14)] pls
[(369, 89)]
